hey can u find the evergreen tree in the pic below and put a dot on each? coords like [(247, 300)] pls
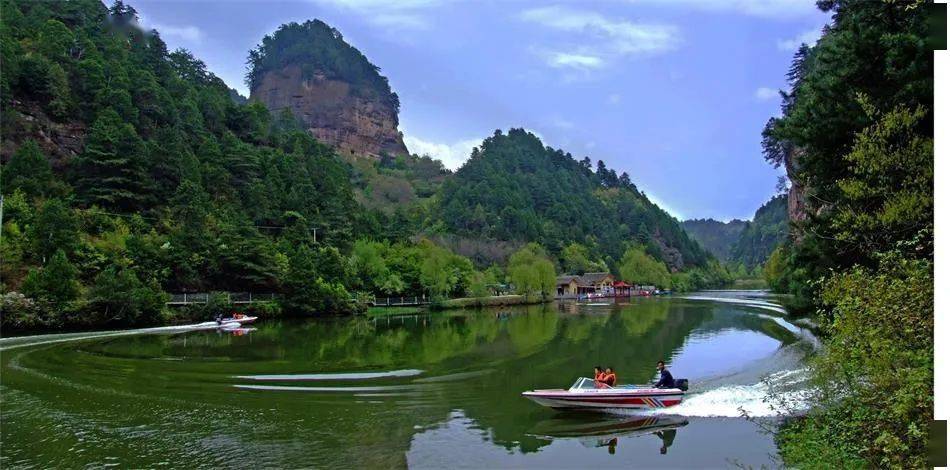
[(54, 227), (111, 170), (28, 170), (55, 282)]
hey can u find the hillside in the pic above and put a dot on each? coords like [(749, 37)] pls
[(741, 241), (718, 237), (515, 188), (330, 86), (768, 229), (130, 171)]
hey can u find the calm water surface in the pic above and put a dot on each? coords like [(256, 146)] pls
[(424, 391)]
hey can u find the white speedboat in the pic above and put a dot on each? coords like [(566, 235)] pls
[(235, 321), (587, 394)]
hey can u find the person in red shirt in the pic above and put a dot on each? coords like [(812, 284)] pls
[(610, 378), (598, 374)]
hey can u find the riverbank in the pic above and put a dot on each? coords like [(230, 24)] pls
[(493, 301)]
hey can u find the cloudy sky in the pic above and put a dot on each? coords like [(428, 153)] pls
[(674, 92)]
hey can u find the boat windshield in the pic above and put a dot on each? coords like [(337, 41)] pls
[(585, 383)]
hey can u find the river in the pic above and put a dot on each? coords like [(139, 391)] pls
[(424, 391)]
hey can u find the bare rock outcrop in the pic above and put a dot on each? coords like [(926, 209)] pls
[(354, 120)]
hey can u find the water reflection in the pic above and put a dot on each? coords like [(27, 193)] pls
[(596, 431), (428, 390)]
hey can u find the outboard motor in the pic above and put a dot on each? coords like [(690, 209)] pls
[(682, 384)]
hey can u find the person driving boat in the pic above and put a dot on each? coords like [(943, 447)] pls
[(666, 378), (610, 378)]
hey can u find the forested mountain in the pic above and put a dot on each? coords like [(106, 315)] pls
[(741, 241), (717, 237), (515, 188), (131, 171), (856, 138), (768, 229)]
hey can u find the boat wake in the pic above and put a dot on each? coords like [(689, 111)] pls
[(773, 386), (733, 401)]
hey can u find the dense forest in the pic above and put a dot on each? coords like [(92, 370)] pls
[(131, 172), (856, 139), (768, 229), (176, 187), (515, 188), (742, 245), (718, 237)]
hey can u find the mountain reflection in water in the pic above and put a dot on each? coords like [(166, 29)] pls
[(438, 390)]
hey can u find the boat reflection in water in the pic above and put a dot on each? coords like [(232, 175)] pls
[(607, 431)]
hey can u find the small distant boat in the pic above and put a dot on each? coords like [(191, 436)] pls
[(235, 321), (585, 394)]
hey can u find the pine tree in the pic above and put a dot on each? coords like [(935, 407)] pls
[(111, 172), (55, 227), (55, 282), (28, 170)]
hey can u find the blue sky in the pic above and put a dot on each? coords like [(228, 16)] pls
[(674, 92)]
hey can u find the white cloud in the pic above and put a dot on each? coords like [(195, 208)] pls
[(185, 33), (452, 155), (775, 9), (573, 61), (562, 123), (598, 39), (614, 98), (621, 36), (765, 93), (809, 37), (402, 14)]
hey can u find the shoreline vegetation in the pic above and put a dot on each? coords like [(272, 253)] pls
[(159, 179), (855, 137), (170, 182)]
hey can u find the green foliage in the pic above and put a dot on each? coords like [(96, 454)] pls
[(874, 377), (856, 139), (718, 237), (745, 243), (443, 273), (577, 259), (306, 293), (55, 282), (119, 297), (29, 171), (312, 46), (532, 272), (873, 57), (889, 192), (111, 170), (514, 188), (758, 239), (179, 186), (55, 227), (638, 267)]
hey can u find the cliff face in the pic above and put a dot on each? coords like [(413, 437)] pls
[(26, 120), (354, 120)]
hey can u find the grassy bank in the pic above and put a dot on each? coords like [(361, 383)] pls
[(383, 310), (749, 284), (494, 301)]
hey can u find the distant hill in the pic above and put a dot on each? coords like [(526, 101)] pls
[(717, 237), (769, 227), (515, 188), (746, 242)]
